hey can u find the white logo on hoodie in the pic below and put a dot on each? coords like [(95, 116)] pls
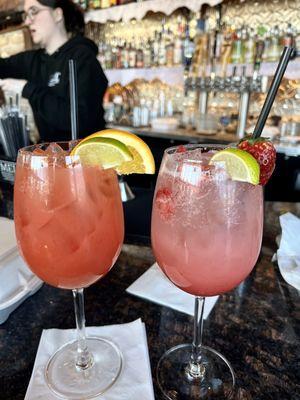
[(54, 79)]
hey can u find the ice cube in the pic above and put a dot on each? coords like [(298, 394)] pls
[(54, 149), (194, 155), (191, 173), (63, 186), (39, 152), (57, 239), (72, 144), (56, 155)]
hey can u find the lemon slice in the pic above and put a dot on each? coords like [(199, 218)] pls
[(110, 153), (240, 165), (142, 162)]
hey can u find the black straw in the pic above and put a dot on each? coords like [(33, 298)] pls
[(73, 99), (283, 62)]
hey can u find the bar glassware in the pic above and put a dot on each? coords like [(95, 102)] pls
[(70, 229), (206, 236)]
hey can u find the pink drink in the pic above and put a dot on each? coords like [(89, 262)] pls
[(69, 219), (206, 228)]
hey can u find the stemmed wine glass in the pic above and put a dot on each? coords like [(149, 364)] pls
[(206, 237), (70, 228)]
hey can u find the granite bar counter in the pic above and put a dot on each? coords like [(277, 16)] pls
[(256, 326)]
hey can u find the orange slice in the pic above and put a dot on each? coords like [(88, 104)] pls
[(143, 161)]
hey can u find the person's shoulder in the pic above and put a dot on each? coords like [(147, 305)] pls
[(81, 47)]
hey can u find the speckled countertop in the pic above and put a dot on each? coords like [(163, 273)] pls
[(256, 326)]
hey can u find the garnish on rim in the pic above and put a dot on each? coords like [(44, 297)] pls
[(127, 153), (263, 150), (142, 161), (240, 165)]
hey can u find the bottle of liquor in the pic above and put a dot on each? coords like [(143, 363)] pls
[(162, 52), (96, 4), (275, 46), (288, 39), (297, 43), (114, 52), (225, 51), (267, 45), (132, 55), (101, 53), (259, 48), (177, 55), (139, 57), (188, 47), (155, 49), (219, 37), (125, 56), (169, 48), (119, 48), (249, 47), (105, 3), (147, 53), (108, 55), (237, 48)]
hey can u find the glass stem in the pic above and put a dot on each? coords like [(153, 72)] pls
[(84, 358), (196, 367)]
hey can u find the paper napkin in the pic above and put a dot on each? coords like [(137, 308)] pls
[(135, 381), (8, 241), (288, 254), (153, 285), (17, 283)]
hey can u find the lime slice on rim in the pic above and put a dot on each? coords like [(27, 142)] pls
[(107, 152), (240, 165)]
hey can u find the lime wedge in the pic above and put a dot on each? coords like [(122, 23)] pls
[(240, 165), (109, 153)]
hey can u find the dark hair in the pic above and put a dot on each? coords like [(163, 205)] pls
[(73, 15)]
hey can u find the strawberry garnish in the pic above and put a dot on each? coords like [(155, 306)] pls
[(164, 203), (181, 149), (264, 152)]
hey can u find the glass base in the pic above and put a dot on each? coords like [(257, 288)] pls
[(68, 381), (212, 378)]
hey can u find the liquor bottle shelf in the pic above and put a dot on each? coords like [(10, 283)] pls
[(174, 75), (138, 10)]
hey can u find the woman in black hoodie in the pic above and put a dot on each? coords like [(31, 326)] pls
[(42, 76)]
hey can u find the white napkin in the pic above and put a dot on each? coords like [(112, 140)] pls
[(8, 241), (288, 254), (135, 381), (153, 285), (17, 283)]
